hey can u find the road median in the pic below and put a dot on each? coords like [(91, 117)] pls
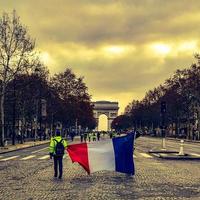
[(173, 155)]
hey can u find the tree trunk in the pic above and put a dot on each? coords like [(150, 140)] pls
[(2, 117)]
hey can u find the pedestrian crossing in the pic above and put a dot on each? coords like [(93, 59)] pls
[(44, 157), (39, 150), (146, 155), (195, 154), (137, 155), (9, 158), (28, 157)]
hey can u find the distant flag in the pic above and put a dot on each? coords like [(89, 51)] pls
[(113, 154)]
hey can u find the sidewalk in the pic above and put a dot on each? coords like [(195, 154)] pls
[(16, 147), (10, 148)]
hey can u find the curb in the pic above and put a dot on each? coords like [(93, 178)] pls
[(32, 145), (17, 149), (161, 151)]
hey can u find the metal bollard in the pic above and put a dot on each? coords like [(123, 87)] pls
[(163, 144), (181, 152)]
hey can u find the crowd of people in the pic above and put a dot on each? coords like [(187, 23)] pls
[(96, 136), (90, 136)]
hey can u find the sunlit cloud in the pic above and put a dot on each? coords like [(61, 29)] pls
[(160, 49), (188, 46), (115, 51)]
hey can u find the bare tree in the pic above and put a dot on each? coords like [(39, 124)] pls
[(16, 54)]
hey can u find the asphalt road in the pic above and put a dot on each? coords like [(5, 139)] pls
[(28, 174)]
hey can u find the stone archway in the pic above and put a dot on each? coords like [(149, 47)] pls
[(108, 108)]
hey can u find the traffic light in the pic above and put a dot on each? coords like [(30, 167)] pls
[(163, 107)]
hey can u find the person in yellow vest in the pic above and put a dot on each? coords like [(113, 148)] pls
[(56, 151), (89, 136), (114, 134), (94, 138)]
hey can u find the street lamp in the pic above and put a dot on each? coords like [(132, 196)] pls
[(163, 112), (43, 115), (35, 127), (14, 112), (38, 104)]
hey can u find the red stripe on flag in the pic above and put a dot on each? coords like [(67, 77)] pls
[(79, 153)]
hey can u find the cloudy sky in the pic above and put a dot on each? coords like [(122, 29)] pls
[(122, 48)]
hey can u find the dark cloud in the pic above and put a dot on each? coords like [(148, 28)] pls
[(73, 33)]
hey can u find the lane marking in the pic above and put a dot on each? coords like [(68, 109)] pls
[(28, 157), (39, 150), (195, 154), (44, 157), (146, 155), (9, 158)]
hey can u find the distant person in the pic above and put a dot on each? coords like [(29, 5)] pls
[(137, 134), (19, 136), (114, 134), (81, 136), (85, 137), (56, 151), (89, 137), (94, 137), (98, 135), (72, 136)]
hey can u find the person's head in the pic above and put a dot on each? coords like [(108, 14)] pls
[(58, 133)]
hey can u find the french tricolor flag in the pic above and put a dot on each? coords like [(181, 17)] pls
[(112, 154)]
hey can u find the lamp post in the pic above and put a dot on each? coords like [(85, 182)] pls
[(35, 126), (163, 112), (43, 115), (14, 112), (38, 104)]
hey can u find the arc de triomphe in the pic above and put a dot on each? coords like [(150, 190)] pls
[(108, 108)]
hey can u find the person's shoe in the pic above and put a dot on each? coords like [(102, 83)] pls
[(55, 176), (60, 177)]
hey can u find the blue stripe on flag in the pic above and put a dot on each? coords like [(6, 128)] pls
[(123, 149)]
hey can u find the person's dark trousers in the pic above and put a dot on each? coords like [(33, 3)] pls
[(58, 162)]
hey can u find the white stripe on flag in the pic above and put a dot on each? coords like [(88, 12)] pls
[(101, 156), (28, 157), (9, 158), (43, 157), (146, 155)]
